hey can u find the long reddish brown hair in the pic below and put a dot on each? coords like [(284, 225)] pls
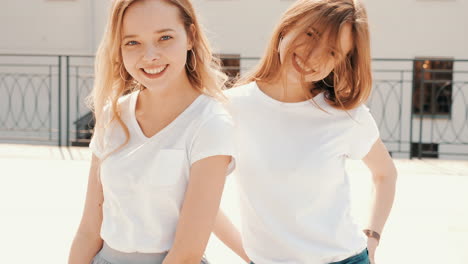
[(350, 83)]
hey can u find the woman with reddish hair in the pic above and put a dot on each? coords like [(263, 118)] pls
[(300, 115)]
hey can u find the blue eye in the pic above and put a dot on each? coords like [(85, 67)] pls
[(166, 37), (131, 43)]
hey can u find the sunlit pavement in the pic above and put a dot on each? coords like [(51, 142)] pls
[(42, 193)]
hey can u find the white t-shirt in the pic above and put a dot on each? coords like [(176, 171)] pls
[(293, 188), (144, 183)]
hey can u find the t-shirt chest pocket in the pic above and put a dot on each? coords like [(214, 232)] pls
[(166, 168)]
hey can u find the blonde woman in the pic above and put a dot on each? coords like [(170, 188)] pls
[(163, 141), (300, 115)]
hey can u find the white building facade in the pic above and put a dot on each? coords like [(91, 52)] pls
[(400, 29)]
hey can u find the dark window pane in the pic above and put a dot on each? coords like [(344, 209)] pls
[(432, 86)]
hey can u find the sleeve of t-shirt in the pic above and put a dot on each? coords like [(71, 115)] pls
[(97, 140), (96, 144), (363, 135), (214, 137)]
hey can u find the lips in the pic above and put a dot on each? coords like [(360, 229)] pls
[(300, 65), (154, 72)]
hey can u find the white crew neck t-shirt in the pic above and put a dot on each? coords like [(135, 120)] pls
[(293, 187), (145, 182)]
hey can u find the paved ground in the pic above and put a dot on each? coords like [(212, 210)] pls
[(42, 193)]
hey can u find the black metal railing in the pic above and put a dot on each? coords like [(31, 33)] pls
[(80, 78), (421, 110), (42, 97), (30, 91)]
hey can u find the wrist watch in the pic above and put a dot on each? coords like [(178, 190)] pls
[(371, 233)]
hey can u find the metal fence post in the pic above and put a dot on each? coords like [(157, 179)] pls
[(413, 88), (50, 104), (402, 77), (421, 112), (60, 100), (68, 101)]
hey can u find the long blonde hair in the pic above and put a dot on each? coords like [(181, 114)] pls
[(350, 83), (112, 80)]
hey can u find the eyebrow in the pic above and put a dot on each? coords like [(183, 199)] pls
[(155, 32), (314, 30)]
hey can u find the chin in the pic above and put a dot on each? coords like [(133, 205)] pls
[(154, 84), (312, 80)]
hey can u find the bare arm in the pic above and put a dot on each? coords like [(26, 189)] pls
[(199, 210), (384, 176), (87, 241), (228, 233)]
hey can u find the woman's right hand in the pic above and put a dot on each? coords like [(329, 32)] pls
[(372, 244), (87, 241), (229, 235)]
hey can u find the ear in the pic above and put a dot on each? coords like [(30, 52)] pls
[(191, 36)]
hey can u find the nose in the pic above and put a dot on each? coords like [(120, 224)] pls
[(317, 57), (152, 53)]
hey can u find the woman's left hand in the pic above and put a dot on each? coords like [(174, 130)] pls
[(372, 244)]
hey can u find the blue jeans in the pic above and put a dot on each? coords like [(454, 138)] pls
[(361, 258)]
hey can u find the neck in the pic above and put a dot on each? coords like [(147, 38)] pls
[(174, 93), (180, 87), (285, 91)]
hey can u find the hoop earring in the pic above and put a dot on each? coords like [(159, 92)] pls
[(195, 62), (326, 84), (122, 76), (279, 44)]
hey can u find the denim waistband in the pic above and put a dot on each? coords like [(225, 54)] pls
[(361, 258)]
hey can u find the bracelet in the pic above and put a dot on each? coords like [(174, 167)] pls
[(371, 233)]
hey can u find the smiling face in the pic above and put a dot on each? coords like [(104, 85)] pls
[(310, 55), (154, 43)]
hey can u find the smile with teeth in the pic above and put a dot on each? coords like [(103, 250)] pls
[(155, 70), (301, 64)]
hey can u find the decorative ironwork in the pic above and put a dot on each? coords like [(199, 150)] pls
[(42, 99)]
